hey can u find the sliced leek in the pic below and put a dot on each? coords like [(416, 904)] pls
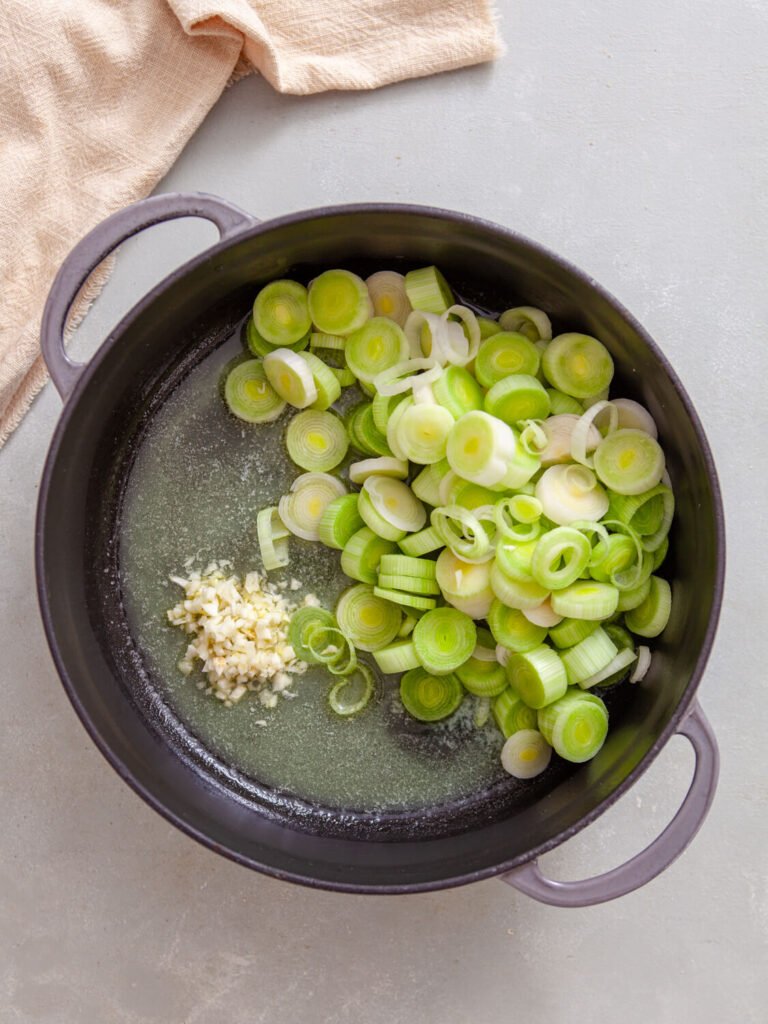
[(533, 323), (353, 693), (374, 347), (385, 465), (513, 630), (281, 312), (486, 451), (576, 725), (589, 657), (272, 536), (421, 543), (338, 302), (386, 289), (289, 374), (503, 354), (526, 754), (316, 440), (340, 521), (302, 509), (430, 698), (327, 384), (629, 461), (249, 394), (368, 621), (586, 600), (362, 554), (517, 397), (560, 557), (482, 678), (427, 290), (512, 714), (395, 503), (651, 617), (396, 657), (444, 638), (538, 676), (577, 364), (457, 391), (422, 433), (570, 493)]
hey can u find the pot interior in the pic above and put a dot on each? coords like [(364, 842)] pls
[(112, 682)]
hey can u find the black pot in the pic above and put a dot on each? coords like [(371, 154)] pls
[(108, 402)]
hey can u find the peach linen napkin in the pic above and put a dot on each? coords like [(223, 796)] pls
[(98, 97)]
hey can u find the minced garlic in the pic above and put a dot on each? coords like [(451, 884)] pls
[(240, 634)]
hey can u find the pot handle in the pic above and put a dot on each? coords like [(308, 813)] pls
[(99, 243), (655, 858)]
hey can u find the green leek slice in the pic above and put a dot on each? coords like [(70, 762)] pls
[(374, 347), (589, 657), (316, 440), (397, 657), (512, 714), (482, 678), (302, 509), (430, 698), (340, 521), (368, 621), (353, 693), (576, 725), (504, 354), (651, 617), (457, 391), (428, 290), (281, 313), (362, 554), (538, 676), (586, 600), (444, 638), (249, 394), (629, 461), (339, 302), (578, 364)]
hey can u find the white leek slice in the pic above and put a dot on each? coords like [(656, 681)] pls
[(571, 493), (635, 416), (422, 433), (384, 466), (403, 376), (525, 754), (623, 660), (290, 376), (486, 451), (543, 615), (559, 430), (640, 670), (302, 509), (581, 431), (532, 323), (476, 606), (396, 502), (469, 320), (387, 291)]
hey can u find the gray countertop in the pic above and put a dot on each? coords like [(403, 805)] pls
[(632, 140)]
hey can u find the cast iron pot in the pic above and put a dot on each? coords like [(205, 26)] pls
[(108, 403)]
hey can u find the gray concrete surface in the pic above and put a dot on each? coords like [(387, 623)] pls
[(632, 139)]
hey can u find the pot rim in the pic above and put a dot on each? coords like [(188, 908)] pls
[(253, 230)]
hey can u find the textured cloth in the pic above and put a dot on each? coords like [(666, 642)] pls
[(98, 97)]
